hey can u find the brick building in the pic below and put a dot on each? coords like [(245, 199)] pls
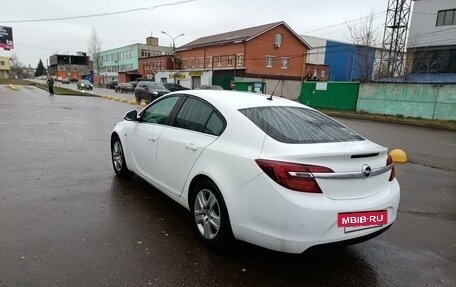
[(69, 66), (271, 52), (147, 67)]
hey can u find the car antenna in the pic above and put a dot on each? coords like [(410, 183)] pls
[(278, 82)]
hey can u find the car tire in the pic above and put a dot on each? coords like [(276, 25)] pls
[(210, 215), (118, 159)]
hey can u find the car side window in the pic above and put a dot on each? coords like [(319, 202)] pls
[(193, 115), (159, 112), (215, 125)]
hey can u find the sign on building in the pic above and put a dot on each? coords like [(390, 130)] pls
[(6, 38), (321, 86)]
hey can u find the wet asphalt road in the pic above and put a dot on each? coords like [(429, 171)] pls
[(66, 220)]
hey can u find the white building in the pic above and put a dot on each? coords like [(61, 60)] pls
[(317, 54), (432, 37)]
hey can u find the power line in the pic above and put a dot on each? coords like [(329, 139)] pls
[(96, 15), (345, 23)]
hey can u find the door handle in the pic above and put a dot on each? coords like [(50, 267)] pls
[(152, 138), (191, 146)]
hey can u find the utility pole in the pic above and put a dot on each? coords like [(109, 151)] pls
[(394, 38), (174, 52)]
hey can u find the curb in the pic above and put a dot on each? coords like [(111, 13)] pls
[(122, 100)]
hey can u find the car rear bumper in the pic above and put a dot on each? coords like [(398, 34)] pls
[(283, 220)]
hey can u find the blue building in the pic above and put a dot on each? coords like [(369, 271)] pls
[(345, 61)]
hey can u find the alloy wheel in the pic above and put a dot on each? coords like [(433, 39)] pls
[(117, 156), (207, 214)]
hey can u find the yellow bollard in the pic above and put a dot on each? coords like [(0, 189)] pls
[(142, 104), (13, 87), (124, 100), (133, 102), (116, 99), (109, 97), (398, 155)]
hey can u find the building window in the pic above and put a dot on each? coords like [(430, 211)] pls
[(192, 61), (284, 63), (269, 61), (201, 61), (2, 63), (209, 61), (278, 40), (239, 60), (446, 17), (219, 61), (322, 73), (145, 53), (229, 61), (184, 63)]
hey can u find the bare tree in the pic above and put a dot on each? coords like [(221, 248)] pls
[(94, 49), (94, 44), (16, 67), (15, 63), (364, 32), (365, 35)]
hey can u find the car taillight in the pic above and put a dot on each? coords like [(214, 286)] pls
[(293, 176), (393, 172)]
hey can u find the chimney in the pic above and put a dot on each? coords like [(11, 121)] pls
[(152, 41)]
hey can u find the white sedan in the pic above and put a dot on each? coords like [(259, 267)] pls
[(261, 169)]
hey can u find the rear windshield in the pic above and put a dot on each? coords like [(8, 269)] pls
[(299, 125)]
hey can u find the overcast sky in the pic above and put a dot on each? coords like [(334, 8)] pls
[(198, 18)]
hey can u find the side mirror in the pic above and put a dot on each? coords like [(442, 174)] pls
[(144, 86), (131, 116)]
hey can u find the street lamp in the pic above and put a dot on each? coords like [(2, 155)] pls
[(174, 52)]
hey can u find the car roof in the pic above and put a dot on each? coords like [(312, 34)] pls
[(240, 100)]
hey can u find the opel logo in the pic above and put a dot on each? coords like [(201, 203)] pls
[(366, 170)]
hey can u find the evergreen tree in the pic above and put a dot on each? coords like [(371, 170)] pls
[(40, 70)]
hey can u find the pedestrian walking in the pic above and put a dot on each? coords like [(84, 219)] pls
[(50, 83)]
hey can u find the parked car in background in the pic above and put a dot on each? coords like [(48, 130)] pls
[(266, 170), (111, 85), (84, 85), (210, 87), (134, 83), (65, 81), (149, 91), (124, 88), (174, 87)]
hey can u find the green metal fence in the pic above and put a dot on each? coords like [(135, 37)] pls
[(330, 95)]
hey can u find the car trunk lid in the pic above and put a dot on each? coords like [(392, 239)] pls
[(359, 167)]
